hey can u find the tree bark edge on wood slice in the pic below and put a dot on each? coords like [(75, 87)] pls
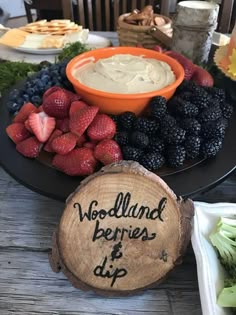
[(95, 254)]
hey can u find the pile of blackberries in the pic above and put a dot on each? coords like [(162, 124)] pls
[(191, 125)]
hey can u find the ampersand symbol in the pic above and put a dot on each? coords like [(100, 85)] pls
[(116, 254)]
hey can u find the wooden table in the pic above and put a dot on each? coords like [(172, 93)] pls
[(29, 287)]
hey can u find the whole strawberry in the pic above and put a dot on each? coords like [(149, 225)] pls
[(30, 147), (202, 77), (185, 63), (79, 121), (102, 127), (79, 162), (107, 152), (57, 104)]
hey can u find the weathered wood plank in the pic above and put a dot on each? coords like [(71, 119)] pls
[(28, 286)]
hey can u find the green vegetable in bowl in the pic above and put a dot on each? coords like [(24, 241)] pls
[(224, 239)]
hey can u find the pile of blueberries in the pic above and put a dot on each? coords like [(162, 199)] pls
[(34, 87)]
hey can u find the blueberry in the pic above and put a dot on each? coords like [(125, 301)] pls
[(13, 106), (27, 84), (30, 91), (49, 84), (43, 72), (36, 99), (20, 101), (45, 78), (54, 73), (26, 97), (14, 94)]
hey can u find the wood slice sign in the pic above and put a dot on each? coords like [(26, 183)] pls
[(122, 230)]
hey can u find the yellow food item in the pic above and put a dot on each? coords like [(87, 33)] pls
[(13, 38)]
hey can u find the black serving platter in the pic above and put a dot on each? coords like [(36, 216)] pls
[(36, 174)]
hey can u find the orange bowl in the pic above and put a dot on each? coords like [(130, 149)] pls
[(113, 103)]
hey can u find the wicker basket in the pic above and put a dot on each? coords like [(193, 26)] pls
[(133, 35)]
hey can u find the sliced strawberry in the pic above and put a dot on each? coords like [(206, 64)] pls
[(102, 127), (57, 104), (48, 147), (30, 147), (80, 120), (24, 112), (81, 140), (185, 62), (63, 124), (42, 125), (79, 162), (17, 132), (27, 126), (202, 77), (64, 143), (50, 91), (76, 106), (108, 151)]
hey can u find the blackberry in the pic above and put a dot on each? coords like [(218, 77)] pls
[(139, 140), (168, 121), (186, 109), (214, 129), (157, 107), (211, 148), (209, 114), (182, 87), (152, 161), (217, 93), (155, 145), (191, 126), (186, 95), (122, 138), (126, 120), (192, 147), (201, 100), (193, 87), (115, 118), (175, 155), (227, 110), (146, 125), (131, 153), (174, 135)]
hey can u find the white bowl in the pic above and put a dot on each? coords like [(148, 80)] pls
[(210, 273)]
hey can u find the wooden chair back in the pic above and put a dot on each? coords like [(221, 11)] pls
[(102, 15), (48, 9)]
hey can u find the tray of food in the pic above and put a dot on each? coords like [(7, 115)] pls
[(180, 129)]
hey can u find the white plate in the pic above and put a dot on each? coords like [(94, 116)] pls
[(209, 270), (93, 41)]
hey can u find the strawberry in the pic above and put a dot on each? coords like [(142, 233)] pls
[(73, 97), (79, 162), (90, 145), (57, 104), (108, 151), (64, 143), (40, 108), (30, 147), (76, 106), (80, 120), (24, 112), (42, 125), (50, 91), (185, 62), (27, 126), (63, 124), (56, 133), (81, 140), (102, 127), (17, 132), (202, 77)]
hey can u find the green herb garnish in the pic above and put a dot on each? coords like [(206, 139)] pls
[(72, 50), (11, 72)]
